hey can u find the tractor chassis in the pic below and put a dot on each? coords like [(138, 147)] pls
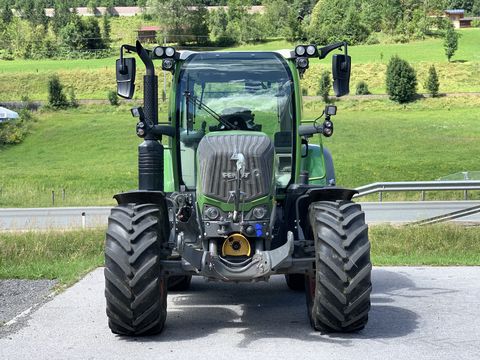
[(293, 256)]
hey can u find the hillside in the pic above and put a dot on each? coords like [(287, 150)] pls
[(91, 151), (92, 79)]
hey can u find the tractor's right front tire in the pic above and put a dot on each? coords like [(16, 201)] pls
[(135, 288), (338, 291)]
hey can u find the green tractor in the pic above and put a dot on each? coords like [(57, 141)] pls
[(233, 188)]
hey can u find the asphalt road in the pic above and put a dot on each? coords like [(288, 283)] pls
[(417, 313), (89, 217)]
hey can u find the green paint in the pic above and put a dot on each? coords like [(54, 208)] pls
[(314, 163), (168, 179)]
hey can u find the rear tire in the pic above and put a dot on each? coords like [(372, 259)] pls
[(179, 283), (135, 288), (338, 293), (295, 282)]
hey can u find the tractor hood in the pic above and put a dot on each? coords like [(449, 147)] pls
[(229, 158)]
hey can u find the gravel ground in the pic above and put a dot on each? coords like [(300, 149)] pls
[(17, 296)]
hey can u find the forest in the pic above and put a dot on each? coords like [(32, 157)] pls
[(26, 32)]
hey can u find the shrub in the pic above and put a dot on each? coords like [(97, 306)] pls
[(401, 80), (362, 88), (113, 98), (372, 40), (56, 96), (432, 84), (324, 85), (15, 131), (450, 42)]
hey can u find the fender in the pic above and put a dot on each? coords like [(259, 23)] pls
[(329, 168), (141, 197), (298, 199)]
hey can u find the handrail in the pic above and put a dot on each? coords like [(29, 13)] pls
[(447, 217), (449, 185)]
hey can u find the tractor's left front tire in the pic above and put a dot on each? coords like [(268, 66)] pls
[(135, 287), (338, 291)]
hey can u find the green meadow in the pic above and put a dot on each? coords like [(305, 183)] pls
[(92, 79)]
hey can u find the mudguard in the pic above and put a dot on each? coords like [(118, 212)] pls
[(141, 197)]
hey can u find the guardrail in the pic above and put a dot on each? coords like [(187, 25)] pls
[(421, 186)]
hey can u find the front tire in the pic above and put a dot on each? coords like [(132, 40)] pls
[(338, 293), (135, 288)]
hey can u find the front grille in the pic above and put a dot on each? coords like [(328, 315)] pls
[(218, 170)]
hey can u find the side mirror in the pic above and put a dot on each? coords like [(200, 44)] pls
[(341, 74), (126, 69)]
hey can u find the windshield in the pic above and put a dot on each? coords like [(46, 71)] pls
[(235, 91)]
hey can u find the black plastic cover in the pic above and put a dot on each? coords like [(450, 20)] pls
[(341, 65)]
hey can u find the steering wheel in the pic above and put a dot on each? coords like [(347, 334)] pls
[(236, 121)]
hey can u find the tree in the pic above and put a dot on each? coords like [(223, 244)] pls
[(476, 8), (177, 18), (466, 5), (61, 16), (106, 30), (92, 36), (217, 26), (92, 6), (71, 34), (56, 96), (432, 84), (324, 85), (276, 12), (450, 42), (199, 25), (6, 13), (40, 18), (355, 31), (391, 14), (401, 80), (337, 20)]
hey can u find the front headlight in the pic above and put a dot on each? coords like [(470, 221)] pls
[(259, 212), (212, 213)]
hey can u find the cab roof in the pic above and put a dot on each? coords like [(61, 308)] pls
[(286, 54)]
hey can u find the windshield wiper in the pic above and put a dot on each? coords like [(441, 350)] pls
[(201, 106)]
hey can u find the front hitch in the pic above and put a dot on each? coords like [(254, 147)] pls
[(260, 265)]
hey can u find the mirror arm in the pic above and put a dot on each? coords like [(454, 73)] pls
[(129, 48), (324, 51), (163, 130), (145, 57)]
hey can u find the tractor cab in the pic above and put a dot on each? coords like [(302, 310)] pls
[(231, 97)]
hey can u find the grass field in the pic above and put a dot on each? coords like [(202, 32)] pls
[(428, 245), (92, 79), (91, 152), (67, 256)]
